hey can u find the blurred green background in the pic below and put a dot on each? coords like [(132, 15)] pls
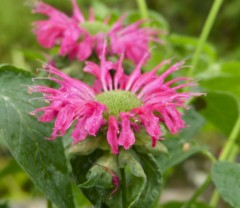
[(18, 46), (184, 17)]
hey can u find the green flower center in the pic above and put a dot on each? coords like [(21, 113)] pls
[(118, 101), (94, 27)]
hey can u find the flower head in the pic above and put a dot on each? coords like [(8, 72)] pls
[(76, 41), (123, 103)]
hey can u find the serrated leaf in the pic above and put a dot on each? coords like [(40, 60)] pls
[(43, 160), (226, 177)]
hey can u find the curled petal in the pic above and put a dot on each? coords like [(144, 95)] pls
[(94, 122), (92, 68), (64, 119), (172, 119), (126, 138), (150, 121), (112, 134), (79, 133)]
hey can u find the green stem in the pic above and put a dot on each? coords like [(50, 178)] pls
[(214, 199), (143, 8), (198, 192), (209, 155), (233, 154), (231, 141), (49, 204), (225, 154), (204, 34), (205, 184), (215, 196), (124, 190)]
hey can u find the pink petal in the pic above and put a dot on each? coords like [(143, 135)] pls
[(126, 138), (112, 134), (79, 133), (94, 122), (77, 14), (136, 72), (150, 121), (156, 83), (92, 68)]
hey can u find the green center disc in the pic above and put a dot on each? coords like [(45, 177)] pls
[(118, 101)]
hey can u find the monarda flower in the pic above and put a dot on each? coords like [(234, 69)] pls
[(122, 103), (77, 41)]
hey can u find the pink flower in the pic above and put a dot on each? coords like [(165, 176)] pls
[(123, 103), (76, 41)]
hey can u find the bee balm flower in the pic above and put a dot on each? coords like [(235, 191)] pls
[(77, 41), (123, 103)]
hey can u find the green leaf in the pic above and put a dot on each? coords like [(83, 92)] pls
[(100, 9), (221, 109), (176, 204), (4, 204), (226, 177), (223, 77), (194, 122), (190, 43), (11, 168), (134, 174), (43, 160), (177, 151), (85, 147), (156, 19), (94, 175), (231, 67), (153, 186), (224, 82), (143, 144), (100, 173), (79, 199), (184, 46)]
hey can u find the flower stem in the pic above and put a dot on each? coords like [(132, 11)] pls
[(204, 34), (215, 196), (229, 148), (49, 204), (123, 184), (231, 141), (143, 8), (205, 184), (198, 192)]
